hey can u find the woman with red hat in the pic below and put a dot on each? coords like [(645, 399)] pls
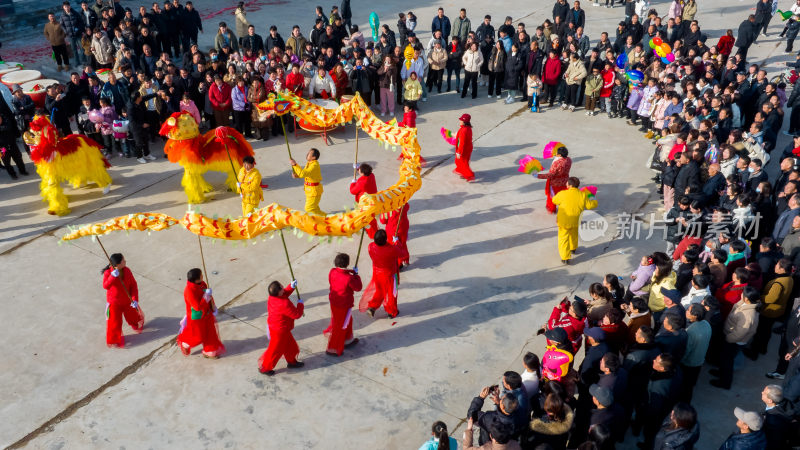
[(464, 148)]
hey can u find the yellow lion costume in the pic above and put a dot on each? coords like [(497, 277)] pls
[(199, 154), (75, 159)]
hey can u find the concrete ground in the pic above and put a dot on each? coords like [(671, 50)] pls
[(484, 275)]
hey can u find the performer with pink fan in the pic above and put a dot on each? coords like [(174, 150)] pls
[(558, 174)]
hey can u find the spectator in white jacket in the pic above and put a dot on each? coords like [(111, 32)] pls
[(102, 49), (321, 85), (472, 61)]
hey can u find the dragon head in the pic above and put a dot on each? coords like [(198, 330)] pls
[(180, 126), (278, 105), (41, 137)]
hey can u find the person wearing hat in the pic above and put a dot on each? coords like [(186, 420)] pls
[(568, 316), (464, 148), (749, 433), (607, 413), (571, 203)]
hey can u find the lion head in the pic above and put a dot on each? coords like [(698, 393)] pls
[(180, 126)]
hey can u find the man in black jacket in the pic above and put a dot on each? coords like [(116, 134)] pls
[(347, 15), (662, 393), (748, 31), (777, 416), (191, 23), (560, 9), (688, 177), (172, 30), (576, 16), (484, 29), (8, 139), (503, 414), (157, 19), (763, 16), (73, 25), (275, 40), (252, 41)]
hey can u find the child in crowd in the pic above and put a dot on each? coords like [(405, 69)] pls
[(534, 90)]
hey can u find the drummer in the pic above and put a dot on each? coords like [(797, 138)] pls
[(321, 85), (312, 176)]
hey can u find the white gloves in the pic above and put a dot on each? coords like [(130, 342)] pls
[(135, 304), (395, 239), (300, 301), (293, 284), (356, 165), (207, 295), (355, 270), (115, 273), (352, 181)]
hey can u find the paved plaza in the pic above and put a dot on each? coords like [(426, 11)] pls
[(484, 276)]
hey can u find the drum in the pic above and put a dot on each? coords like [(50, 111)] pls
[(6, 67), (37, 89), (325, 103), (20, 76)]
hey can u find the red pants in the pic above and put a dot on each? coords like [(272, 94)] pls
[(381, 289), (114, 315), (337, 333), (551, 191), (202, 331), (281, 344), (462, 168)]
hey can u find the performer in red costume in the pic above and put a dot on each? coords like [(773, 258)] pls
[(365, 184), (382, 288), (557, 177), (122, 300), (464, 148), (410, 121), (399, 216), (343, 283), (199, 325), (281, 314)]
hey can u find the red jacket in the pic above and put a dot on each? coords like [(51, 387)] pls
[(409, 119), (552, 71), (560, 318), (728, 295), (113, 286), (364, 185), (384, 257), (464, 142), (343, 283), (193, 296), (342, 82), (725, 45), (558, 173), (608, 83), (294, 82), (281, 312), (220, 96), (392, 221)]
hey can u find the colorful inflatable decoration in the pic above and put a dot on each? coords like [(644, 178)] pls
[(555, 363), (551, 149), (529, 165), (622, 59), (634, 76), (374, 23), (448, 136), (785, 15), (277, 217), (75, 159), (662, 50), (200, 153)]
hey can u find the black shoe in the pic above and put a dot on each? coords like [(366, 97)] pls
[(714, 372), (752, 354), (334, 354), (24, 172), (565, 262), (296, 365), (371, 312), (719, 384), (13, 175), (395, 315), (268, 373), (352, 343)]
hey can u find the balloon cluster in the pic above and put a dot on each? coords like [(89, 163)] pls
[(373, 25), (662, 50), (634, 77)]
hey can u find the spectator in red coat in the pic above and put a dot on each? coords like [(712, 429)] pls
[(343, 283), (551, 76), (281, 314), (365, 184), (295, 80), (122, 300), (730, 293), (219, 94), (725, 44), (340, 79), (571, 316)]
